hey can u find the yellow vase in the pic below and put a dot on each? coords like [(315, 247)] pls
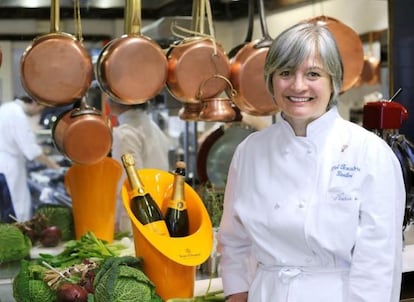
[(93, 189)]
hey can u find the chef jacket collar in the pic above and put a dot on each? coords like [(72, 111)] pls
[(317, 126)]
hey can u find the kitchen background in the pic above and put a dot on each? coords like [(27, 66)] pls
[(364, 16), (385, 28), (101, 21)]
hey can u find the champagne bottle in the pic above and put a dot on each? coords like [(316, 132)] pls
[(176, 216), (143, 205)]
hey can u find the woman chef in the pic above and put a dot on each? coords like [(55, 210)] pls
[(17, 145), (315, 202)]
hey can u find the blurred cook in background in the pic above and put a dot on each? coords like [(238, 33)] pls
[(17, 146), (138, 134)]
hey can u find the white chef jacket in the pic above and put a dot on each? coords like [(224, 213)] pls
[(17, 144), (139, 135), (321, 214)]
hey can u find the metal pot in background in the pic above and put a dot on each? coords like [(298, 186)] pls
[(132, 68), (196, 58), (217, 109), (216, 151), (83, 134), (56, 69), (246, 75), (350, 48)]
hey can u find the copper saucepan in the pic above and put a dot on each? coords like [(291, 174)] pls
[(370, 73), (371, 70), (56, 69), (133, 68), (196, 58), (83, 134), (350, 47), (217, 109), (247, 74)]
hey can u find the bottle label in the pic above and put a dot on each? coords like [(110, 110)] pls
[(179, 205), (158, 227)]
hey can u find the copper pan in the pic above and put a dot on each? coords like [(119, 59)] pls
[(56, 69), (350, 47), (247, 74), (83, 134), (371, 70), (196, 58), (133, 68)]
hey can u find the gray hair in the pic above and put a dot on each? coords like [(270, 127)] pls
[(297, 43)]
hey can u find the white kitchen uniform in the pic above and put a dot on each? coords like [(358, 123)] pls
[(17, 144), (139, 135), (322, 214)]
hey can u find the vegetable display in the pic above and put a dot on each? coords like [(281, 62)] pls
[(60, 216), (121, 280), (28, 285), (87, 247), (88, 270), (50, 225), (14, 244)]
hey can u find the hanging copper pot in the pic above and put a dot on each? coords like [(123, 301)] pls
[(247, 69), (56, 69), (371, 69), (217, 109), (83, 134), (196, 58), (133, 68), (350, 47)]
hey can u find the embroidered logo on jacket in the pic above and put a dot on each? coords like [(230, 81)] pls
[(344, 170)]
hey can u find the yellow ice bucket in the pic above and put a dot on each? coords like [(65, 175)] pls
[(93, 189), (170, 262)]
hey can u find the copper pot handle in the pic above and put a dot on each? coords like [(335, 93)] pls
[(83, 109), (54, 15), (232, 94), (132, 23), (267, 40)]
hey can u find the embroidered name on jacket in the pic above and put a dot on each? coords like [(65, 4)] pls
[(343, 197), (344, 170)]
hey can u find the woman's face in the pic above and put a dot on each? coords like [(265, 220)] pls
[(302, 94)]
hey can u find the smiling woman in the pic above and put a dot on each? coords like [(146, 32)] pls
[(347, 176)]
